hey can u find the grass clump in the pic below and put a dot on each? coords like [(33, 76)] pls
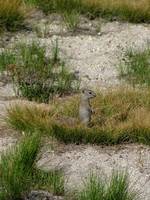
[(18, 173), (94, 189), (6, 58), (16, 169), (136, 67), (52, 181), (35, 76), (41, 115), (120, 116), (133, 11), (71, 20), (12, 14), (117, 187)]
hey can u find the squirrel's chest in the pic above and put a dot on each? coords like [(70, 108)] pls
[(84, 112)]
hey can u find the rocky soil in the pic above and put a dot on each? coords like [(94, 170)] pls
[(94, 51)]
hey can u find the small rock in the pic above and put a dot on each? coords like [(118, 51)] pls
[(42, 195)]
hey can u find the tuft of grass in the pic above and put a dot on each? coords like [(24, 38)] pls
[(120, 116), (97, 188), (16, 168), (6, 58), (12, 14), (71, 20), (136, 67), (94, 189), (118, 187), (52, 181), (35, 76), (41, 115), (133, 11)]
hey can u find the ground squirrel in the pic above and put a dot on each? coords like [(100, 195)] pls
[(85, 110)]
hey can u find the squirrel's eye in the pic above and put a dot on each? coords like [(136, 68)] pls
[(90, 92)]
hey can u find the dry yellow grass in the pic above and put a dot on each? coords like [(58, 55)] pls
[(12, 13), (121, 115), (135, 10), (139, 5)]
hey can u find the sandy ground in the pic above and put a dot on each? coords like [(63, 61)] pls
[(94, 50), (95, 53), (78, 161)]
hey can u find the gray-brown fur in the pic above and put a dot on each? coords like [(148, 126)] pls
[(85, 110)]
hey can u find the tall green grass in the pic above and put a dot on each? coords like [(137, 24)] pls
[(16, 169), (18, 173), (6, 58), (71, 20), (136, 67), (117, 188)]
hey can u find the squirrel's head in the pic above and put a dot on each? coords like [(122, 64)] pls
[(88, 94)]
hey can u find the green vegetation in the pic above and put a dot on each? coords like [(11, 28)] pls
[(117, 188), (16, 169), (30, 2), (35, 76), (18, 174), (12, 14), (71, 20), (52, 181), (132, 11), (60, 6), (6, 58), (120, 116), (136, 67)]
